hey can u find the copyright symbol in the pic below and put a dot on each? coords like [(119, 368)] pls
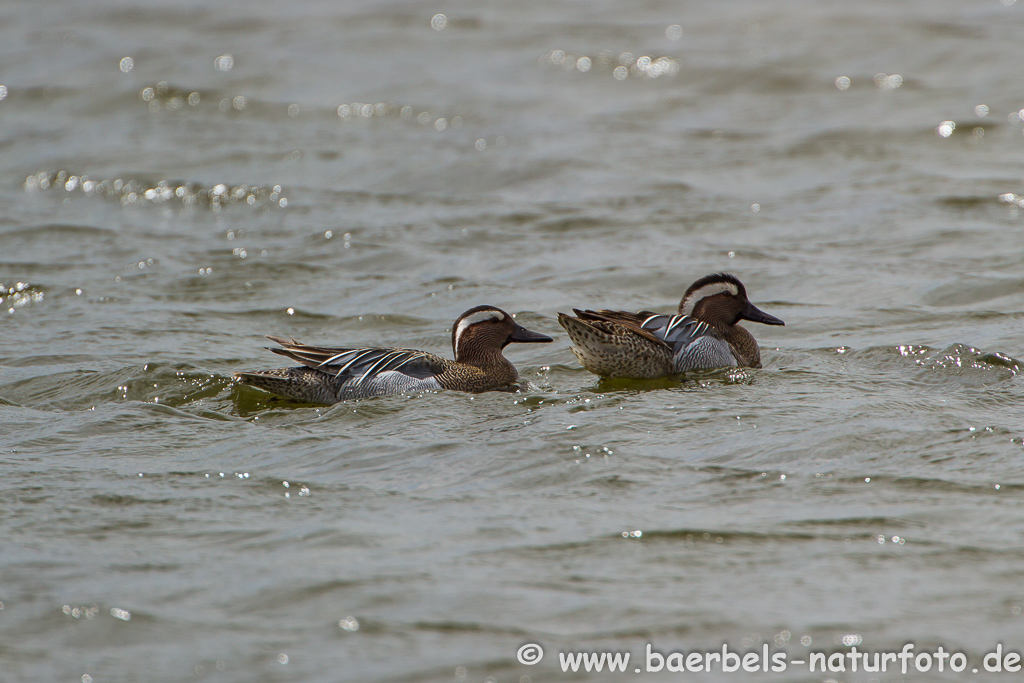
[(530, 654)]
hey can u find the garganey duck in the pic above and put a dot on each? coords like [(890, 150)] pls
[(705, 334), (330, 375)]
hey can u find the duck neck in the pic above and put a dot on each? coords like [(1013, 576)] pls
[(743, 344), (490, 362)]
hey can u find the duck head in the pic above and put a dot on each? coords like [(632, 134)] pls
[(721, 300), (484, 331)]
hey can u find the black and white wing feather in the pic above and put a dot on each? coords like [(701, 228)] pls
[(365, 372), (694, 344)]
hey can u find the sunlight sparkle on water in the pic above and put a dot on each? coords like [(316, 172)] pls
[(224, 63), (888, 82), (133, 192), (1011, 198), (18, 295), (645, 66), (655, 68)]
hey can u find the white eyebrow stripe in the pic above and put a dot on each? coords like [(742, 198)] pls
[(473, 319), (704, 292)]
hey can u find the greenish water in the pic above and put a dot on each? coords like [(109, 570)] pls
[(159, 522)]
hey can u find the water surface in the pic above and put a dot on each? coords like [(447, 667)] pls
[(351, 174)]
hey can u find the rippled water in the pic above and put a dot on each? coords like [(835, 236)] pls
[(178, 180)]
